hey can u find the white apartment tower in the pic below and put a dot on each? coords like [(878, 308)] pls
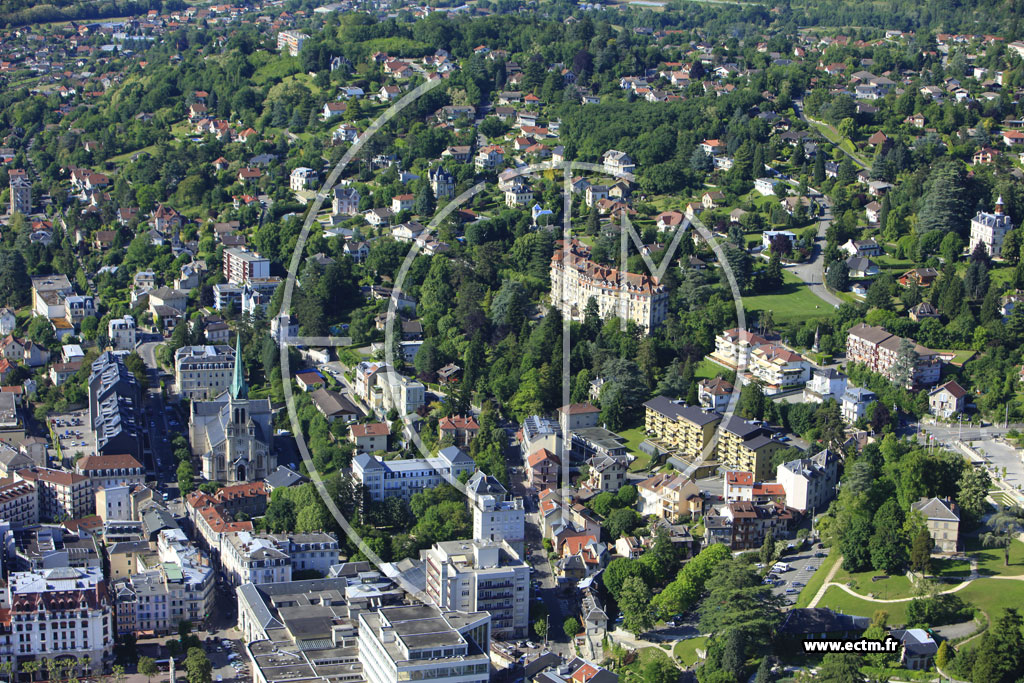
[(423, 642), (496, 515), (242, 265), (481, 576)]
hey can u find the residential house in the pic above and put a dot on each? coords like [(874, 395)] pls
[(460, 428), (714, 393), (371, 437), (942, 518), (866, 248), (947, 400)]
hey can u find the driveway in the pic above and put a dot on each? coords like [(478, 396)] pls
[(812, 273)]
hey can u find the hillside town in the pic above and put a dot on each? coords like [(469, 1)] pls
[(518, 341)]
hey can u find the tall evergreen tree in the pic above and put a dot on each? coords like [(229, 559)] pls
[(944, 205)]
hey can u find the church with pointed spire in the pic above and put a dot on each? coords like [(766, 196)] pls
[(232, 434)]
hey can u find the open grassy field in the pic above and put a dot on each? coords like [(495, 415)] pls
[(634, 670), (686, 650), (792, 302), (123, 158), (634, 437), (707, 369), (892, 588), (816, 581), (990, 560), (839, 600), (993, 595)]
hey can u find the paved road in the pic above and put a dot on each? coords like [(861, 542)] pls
[(798, 107), (812, 273), (557, 601)]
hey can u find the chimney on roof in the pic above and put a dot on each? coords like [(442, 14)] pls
[(999, 206)]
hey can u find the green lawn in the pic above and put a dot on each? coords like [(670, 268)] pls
[(816, 581), (839, 600), (890, 262), (122, 158), (707, 369), (950, 568), (990, 560), (634, 670), (961, 356), (993, 595), (634, 437), (686, 650), (792, 303), (893, 588)]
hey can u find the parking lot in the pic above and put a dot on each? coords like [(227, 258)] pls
[(230, 663), (72, 431), (999, 455), (802, 566)]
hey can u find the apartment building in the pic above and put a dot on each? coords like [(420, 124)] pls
[(203, 372), (778, 368), (123, 333), (381, 388), (291, 41), (575, 279), (679, 427), (670, 496), (115, 406), (60, 612), (853, 405), (111, 470), (308, 630), (575, 416), (62, 495), (810, 483), (606, 473), (743, 525), (157, 600), (113, 503), (481, 576), (879, 351), (370, 437), (422, 642), (825, 384), (733, 346), (19, 503), (741, 486), (21, 195), (461, 429), (542, 470), (273, 558), (242, 265), (496, 515), (212, 516), (403, 478), (748, 447)]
